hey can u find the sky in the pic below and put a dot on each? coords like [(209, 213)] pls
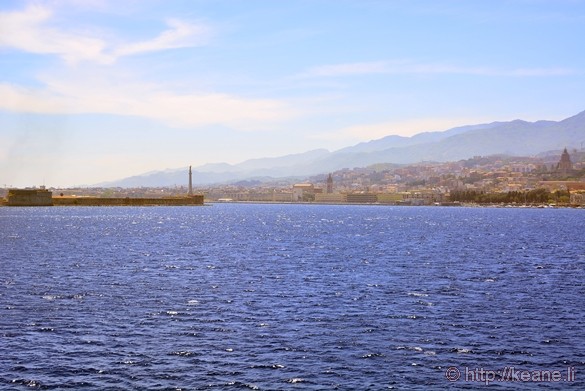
[(98, 90)]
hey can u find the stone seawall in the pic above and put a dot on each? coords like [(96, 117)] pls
[(29, 197), (96, 201)]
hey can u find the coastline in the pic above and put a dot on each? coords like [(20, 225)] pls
[(460, 205)]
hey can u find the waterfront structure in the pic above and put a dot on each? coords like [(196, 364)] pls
[(303, 192), (196, 199), (29, 197), (330, 198), (391, 198), (190, 182), (362, 198), (424, 197), (190, 199), (43, 197), (271, 195)]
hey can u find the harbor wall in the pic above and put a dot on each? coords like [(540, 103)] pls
[(29, 197), (96, 201)]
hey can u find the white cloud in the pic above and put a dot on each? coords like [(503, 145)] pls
[(180, 35), (30, 30), (79, 94), (97, 89), (26, 31), (398, 67)]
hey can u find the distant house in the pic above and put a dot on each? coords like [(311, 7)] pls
[(362, 198), (562, 185), (331, 198), (303, 192), (578, 198)]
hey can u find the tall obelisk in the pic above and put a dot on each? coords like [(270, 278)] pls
[(190, 182)]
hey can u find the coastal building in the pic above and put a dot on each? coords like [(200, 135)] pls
[(29, 197), (303, 192), (362, 198), (331, 198), (391, 197), (578, 198), (424, 197), (562, 185)]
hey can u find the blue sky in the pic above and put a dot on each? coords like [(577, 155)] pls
[(97, 90)]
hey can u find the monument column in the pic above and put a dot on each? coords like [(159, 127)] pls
[(190, 182)]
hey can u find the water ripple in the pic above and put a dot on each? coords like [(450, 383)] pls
[(286, 296)]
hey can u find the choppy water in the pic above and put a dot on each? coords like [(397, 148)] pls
[(276, 297)]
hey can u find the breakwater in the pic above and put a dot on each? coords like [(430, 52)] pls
[(29, 197), (43, 197), (96, 201)]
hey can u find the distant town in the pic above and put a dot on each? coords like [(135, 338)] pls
[(556, 178)]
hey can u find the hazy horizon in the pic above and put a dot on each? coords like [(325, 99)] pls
[(93, 91)]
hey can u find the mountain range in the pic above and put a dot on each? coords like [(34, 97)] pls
[(514, 138)]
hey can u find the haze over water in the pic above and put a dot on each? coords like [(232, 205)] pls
[(288, 296)]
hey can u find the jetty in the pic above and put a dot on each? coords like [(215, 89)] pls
[(44, 197)]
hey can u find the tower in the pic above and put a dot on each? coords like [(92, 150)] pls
[(190, 182), (329, 184), (565, 165)]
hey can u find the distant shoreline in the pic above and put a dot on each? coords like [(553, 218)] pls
[(461, 205)]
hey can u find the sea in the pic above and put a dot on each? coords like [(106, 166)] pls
[(291, 297)]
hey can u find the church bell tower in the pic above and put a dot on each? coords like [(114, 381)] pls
[(329, 184)]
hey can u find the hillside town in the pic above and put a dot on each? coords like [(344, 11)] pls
[(560, 178), (553, 178)]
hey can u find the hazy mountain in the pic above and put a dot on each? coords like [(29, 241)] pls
[(283, 166), (420, 138), (517, 137), (263, 164)]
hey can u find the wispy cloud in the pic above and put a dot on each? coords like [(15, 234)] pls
[(94, 88), (30, 30), (181, 34), (398, 67), (81, 94), (26, 30)]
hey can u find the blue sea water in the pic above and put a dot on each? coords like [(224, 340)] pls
[(277, 297)]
